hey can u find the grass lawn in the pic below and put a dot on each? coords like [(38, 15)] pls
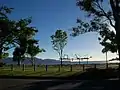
[(52, 71)]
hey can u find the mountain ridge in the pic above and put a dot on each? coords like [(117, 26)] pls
[(9, 60)]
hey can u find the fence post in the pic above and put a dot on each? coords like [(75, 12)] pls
[(46, 67), (34, 67), (23, 67), (83, 67), (95, 66), (106, 65), (11, 67), (58, 68), (71, 68)]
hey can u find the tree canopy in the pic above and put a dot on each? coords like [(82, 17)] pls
[(23, 34), (18, 34), (103, 20), (5, 30), (33, 49)]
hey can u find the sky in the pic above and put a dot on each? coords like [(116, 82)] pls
[(51, 15)]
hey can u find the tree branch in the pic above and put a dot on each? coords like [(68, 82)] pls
[(113, 9), (105, 14)]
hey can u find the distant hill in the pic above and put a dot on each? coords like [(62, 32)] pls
[(9, 60)]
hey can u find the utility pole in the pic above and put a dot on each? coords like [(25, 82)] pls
[(78, 58), (67, 58), (86, 58)]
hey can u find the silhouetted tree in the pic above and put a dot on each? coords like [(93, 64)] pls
[(33, 49), (22, 35), (6, 31), (4, 11), (100, 19), (59, 40), (18, 55), (107, 39), (14, 34)]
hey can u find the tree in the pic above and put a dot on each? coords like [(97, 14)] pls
[(33, 49), (18, 55), (107, 39), (59, 41), (22, 35), (4, 10), (5, 31), (100, 19), (14, 34)]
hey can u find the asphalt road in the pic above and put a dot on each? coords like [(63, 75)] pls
[(27, 84), (33, 84)]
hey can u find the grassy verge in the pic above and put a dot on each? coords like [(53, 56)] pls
[(40, 71)]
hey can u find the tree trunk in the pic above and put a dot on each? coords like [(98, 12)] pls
[(61, 57), (33, 61), (19, 62), (61, 61), (117, 28), (0, 55), (1, 62), (119, 60), (106, 60)]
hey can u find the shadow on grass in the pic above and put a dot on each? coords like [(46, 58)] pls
[(92, 79), (95, 74), (69, 85), (43, 85), (89, 74), (74, 85)]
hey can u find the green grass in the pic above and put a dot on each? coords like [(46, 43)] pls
[(36, 73), (53, 71)]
